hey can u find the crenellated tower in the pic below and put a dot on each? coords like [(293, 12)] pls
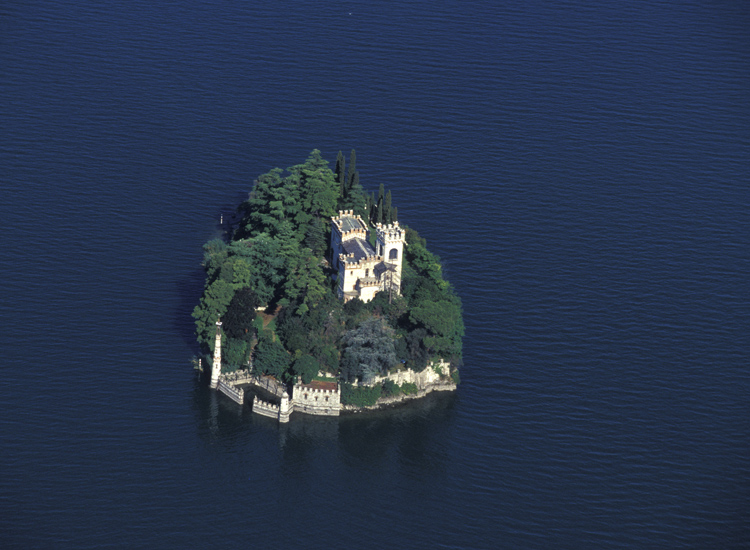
[(390, 246)]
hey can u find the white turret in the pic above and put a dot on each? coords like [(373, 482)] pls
[(284, 408), (216, 366), (390, 245)]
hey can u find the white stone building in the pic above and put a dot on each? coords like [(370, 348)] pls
[(363, 271)]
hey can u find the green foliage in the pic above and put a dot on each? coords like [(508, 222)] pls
[(390, 388), (340, 173), (305, 281), (234, 352), (240, 315), (275, 258), (368, 351), (456, 377), (329, 357), (213, 304), (306, 367), (315, 238), (352, 169), (258, 264), (319, 190), (271, 358), (360, 396), (379, 203), (408, 388), (435, 308)]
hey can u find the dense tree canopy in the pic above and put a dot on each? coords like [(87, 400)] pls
[(276, 261)]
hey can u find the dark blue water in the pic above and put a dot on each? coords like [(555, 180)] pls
[(582, 168)]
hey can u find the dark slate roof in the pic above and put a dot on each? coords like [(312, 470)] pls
[(349, 224), (359, 247)]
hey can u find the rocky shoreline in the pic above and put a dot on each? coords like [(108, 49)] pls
[(396, 400)]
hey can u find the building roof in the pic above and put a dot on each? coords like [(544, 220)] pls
[(349, 223), (320, 385), (359, 247)]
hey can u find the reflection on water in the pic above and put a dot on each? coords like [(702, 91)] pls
[(410, 429)]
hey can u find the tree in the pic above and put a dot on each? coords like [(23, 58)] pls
[(275, 257), (351, 172), (213, 304), (234, 352), (273, 199), (271, 357), (387, 213), (356, 199), (238, 320), (306, 367), (214, 254), (318, 188), (370, 205), (341, 173), (379, 207), (305, 281), (368, 351), (259, 265), (315, 237)]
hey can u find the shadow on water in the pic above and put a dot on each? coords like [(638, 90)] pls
[(190, 286), (409, 430), (190, 289)]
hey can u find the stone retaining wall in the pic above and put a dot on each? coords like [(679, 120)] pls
[(234, 393), (383, 402), (265, 408)]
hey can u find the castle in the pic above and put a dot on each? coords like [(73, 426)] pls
[(363, 271)]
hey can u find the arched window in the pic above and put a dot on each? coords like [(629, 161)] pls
[(393, 254)]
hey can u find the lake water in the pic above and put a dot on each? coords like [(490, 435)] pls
[(582, 168)]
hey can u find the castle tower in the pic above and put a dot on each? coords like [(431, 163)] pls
[(390, 245), (216, 366), (285, 408)]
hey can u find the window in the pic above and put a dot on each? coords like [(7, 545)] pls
[(393, 254)]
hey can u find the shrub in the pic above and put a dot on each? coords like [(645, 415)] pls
[(390, 388), (407, 388), (455, 376), (360, 396)]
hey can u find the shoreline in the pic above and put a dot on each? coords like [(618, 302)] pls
[(395, 401)]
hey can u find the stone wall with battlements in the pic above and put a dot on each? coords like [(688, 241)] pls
[(235, 393), (265, 408), (427, 381), (311, 400), (364, 277)]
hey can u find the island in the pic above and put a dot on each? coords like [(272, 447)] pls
[(319, 301)]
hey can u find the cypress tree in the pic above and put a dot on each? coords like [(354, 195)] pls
[(381, 198), (387, 214), (341, 173), (350, 173), (370, 198), (355, 196), (394, 213)]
